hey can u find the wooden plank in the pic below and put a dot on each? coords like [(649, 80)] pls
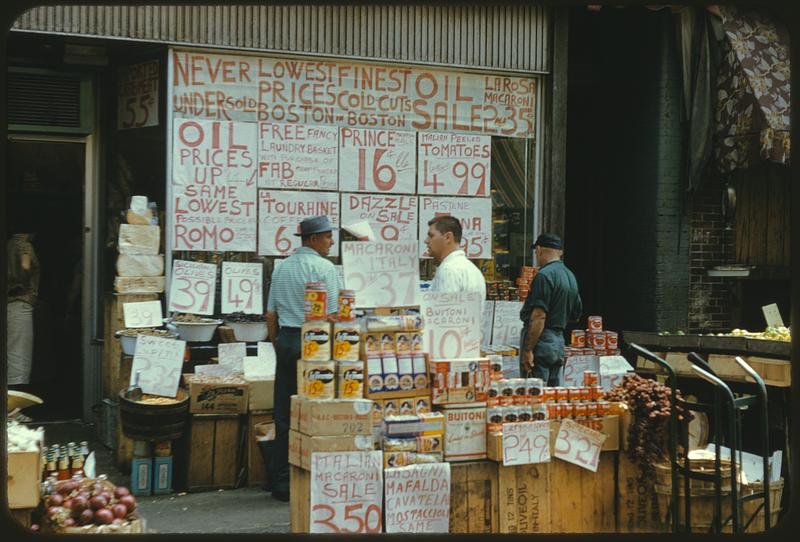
[(481, 497), (636, 500), (200, 464), (458, 502), (300, 495), (507, 498), (533, 498), (566, 497), (226, 447), (602, 503)]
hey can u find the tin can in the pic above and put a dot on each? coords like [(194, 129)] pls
[(524, 413), (591, 410), (561, 395), (553, 410), (549, 395), (599, 393), (566, 410), (493, 393), (590, 378), (316, 301), (539, 412), (602, 408), (494, 419), (573, 394), (316, 341), (595, 323), (506, 392), (612, 340), (510, 414), (597, 340), (534, 388), (347, 302), (520, 391), (162, 448), (580, 411), (578, 338)]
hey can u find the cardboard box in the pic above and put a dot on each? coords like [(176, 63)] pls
[(381, 394), (609, 425), (295, 405), (23, 484), (459, 381), (216, 398), (465, 433), (334, 417), (260, 395), (415, 426), (162, 475), (302, 446)]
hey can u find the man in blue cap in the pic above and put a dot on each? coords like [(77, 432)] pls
[(285, 315), (553, 300)]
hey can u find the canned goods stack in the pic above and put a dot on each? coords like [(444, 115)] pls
[(594, 340), (526, 275), (515, 400), (504, 360), (503, 290)]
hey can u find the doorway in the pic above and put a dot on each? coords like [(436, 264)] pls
[(46, 195)]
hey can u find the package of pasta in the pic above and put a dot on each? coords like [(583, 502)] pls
[(393, 324), (399, 444), (403, 459)]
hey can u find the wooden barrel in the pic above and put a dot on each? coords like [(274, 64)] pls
[(146, 421), (664, 473)]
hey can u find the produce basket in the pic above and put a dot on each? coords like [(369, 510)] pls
[(62, 519), (195, 332), (128, 340), (248, 332), (664, 474)]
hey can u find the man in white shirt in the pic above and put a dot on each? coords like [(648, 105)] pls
[(455, 272)]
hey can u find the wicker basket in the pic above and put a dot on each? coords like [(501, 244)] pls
[(664, 474)]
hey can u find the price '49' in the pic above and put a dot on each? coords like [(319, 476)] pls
[(240, 291)]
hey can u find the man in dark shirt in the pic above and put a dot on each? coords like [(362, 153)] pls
[(553, 300)]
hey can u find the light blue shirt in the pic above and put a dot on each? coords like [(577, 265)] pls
[(287, 289)]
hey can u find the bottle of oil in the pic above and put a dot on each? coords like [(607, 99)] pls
[(63, 466), (77, 467)]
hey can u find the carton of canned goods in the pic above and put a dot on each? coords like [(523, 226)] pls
[(494, 419), (595, 323), (524, 413), (612, 340), (590, 378), (578, 338), (506, 392)]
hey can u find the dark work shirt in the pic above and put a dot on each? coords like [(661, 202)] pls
[(555, 291)]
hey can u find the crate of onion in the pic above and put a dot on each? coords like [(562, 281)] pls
[(90, 506)]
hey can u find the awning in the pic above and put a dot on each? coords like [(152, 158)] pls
[(753, 91)]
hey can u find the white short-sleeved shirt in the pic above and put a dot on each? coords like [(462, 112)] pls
[(457, 274)]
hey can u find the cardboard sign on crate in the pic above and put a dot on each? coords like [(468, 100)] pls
[(418, 498), (579, 445), (346, 492), (526, 442)]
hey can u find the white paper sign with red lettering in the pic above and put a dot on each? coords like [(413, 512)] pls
[(159, 362), (242, 288), (346, 492), (475, 215), (526, 442), (579, 445), (142, 314), (214, 186), (487, 319), (297, 157), (507, 327), (192, 287), (418, 498), (280, 213), (382, 273), (377, 161), (452, 324), (391, 217), (454, 164)]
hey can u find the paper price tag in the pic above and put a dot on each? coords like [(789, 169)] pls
[(160, 362), (455, 164), (377, 161), (579, 445), (507, 328), (418, 498), (383, 274), (354, 506), (574, 366), (142, 314), (526, 442), (772, 315), (452, 324), (193, 287), (242, 288)]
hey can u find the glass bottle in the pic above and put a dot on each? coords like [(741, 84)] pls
[(63, 466), (134, 392)]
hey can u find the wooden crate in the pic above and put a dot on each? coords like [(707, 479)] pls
[(22, 482), (300, 499), (114, 321), (124, 451), (474, 497), (256, 470), (212, 452), (582, 501), (22, 516), (637, 500), (524, 498)]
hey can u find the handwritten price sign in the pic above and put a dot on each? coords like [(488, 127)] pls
[(142, 314), (418, 498), (579, 445), (346, 492), (487, 319), (574, 366), (383, 274), (507, 328), (526, 442), (452, 324), (242, 288), (137, 95), (377, 161), (280, 213), (475, 215), (455, 164), (160, 361), (192, 287)]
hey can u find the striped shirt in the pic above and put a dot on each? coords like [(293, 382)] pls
[(287, 289)]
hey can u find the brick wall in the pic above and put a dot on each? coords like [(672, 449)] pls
[(711, 299)]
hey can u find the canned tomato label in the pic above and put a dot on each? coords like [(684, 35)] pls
[(591, 410), (590, 378), (347, 301), (585, 394), (316, 301), (595, 323), (597, 340), (552, 411), (612, 340), (549, 395), (602, 408), (573, 394), (580, 410), (565, 410), (578, 338), (561, 395)]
